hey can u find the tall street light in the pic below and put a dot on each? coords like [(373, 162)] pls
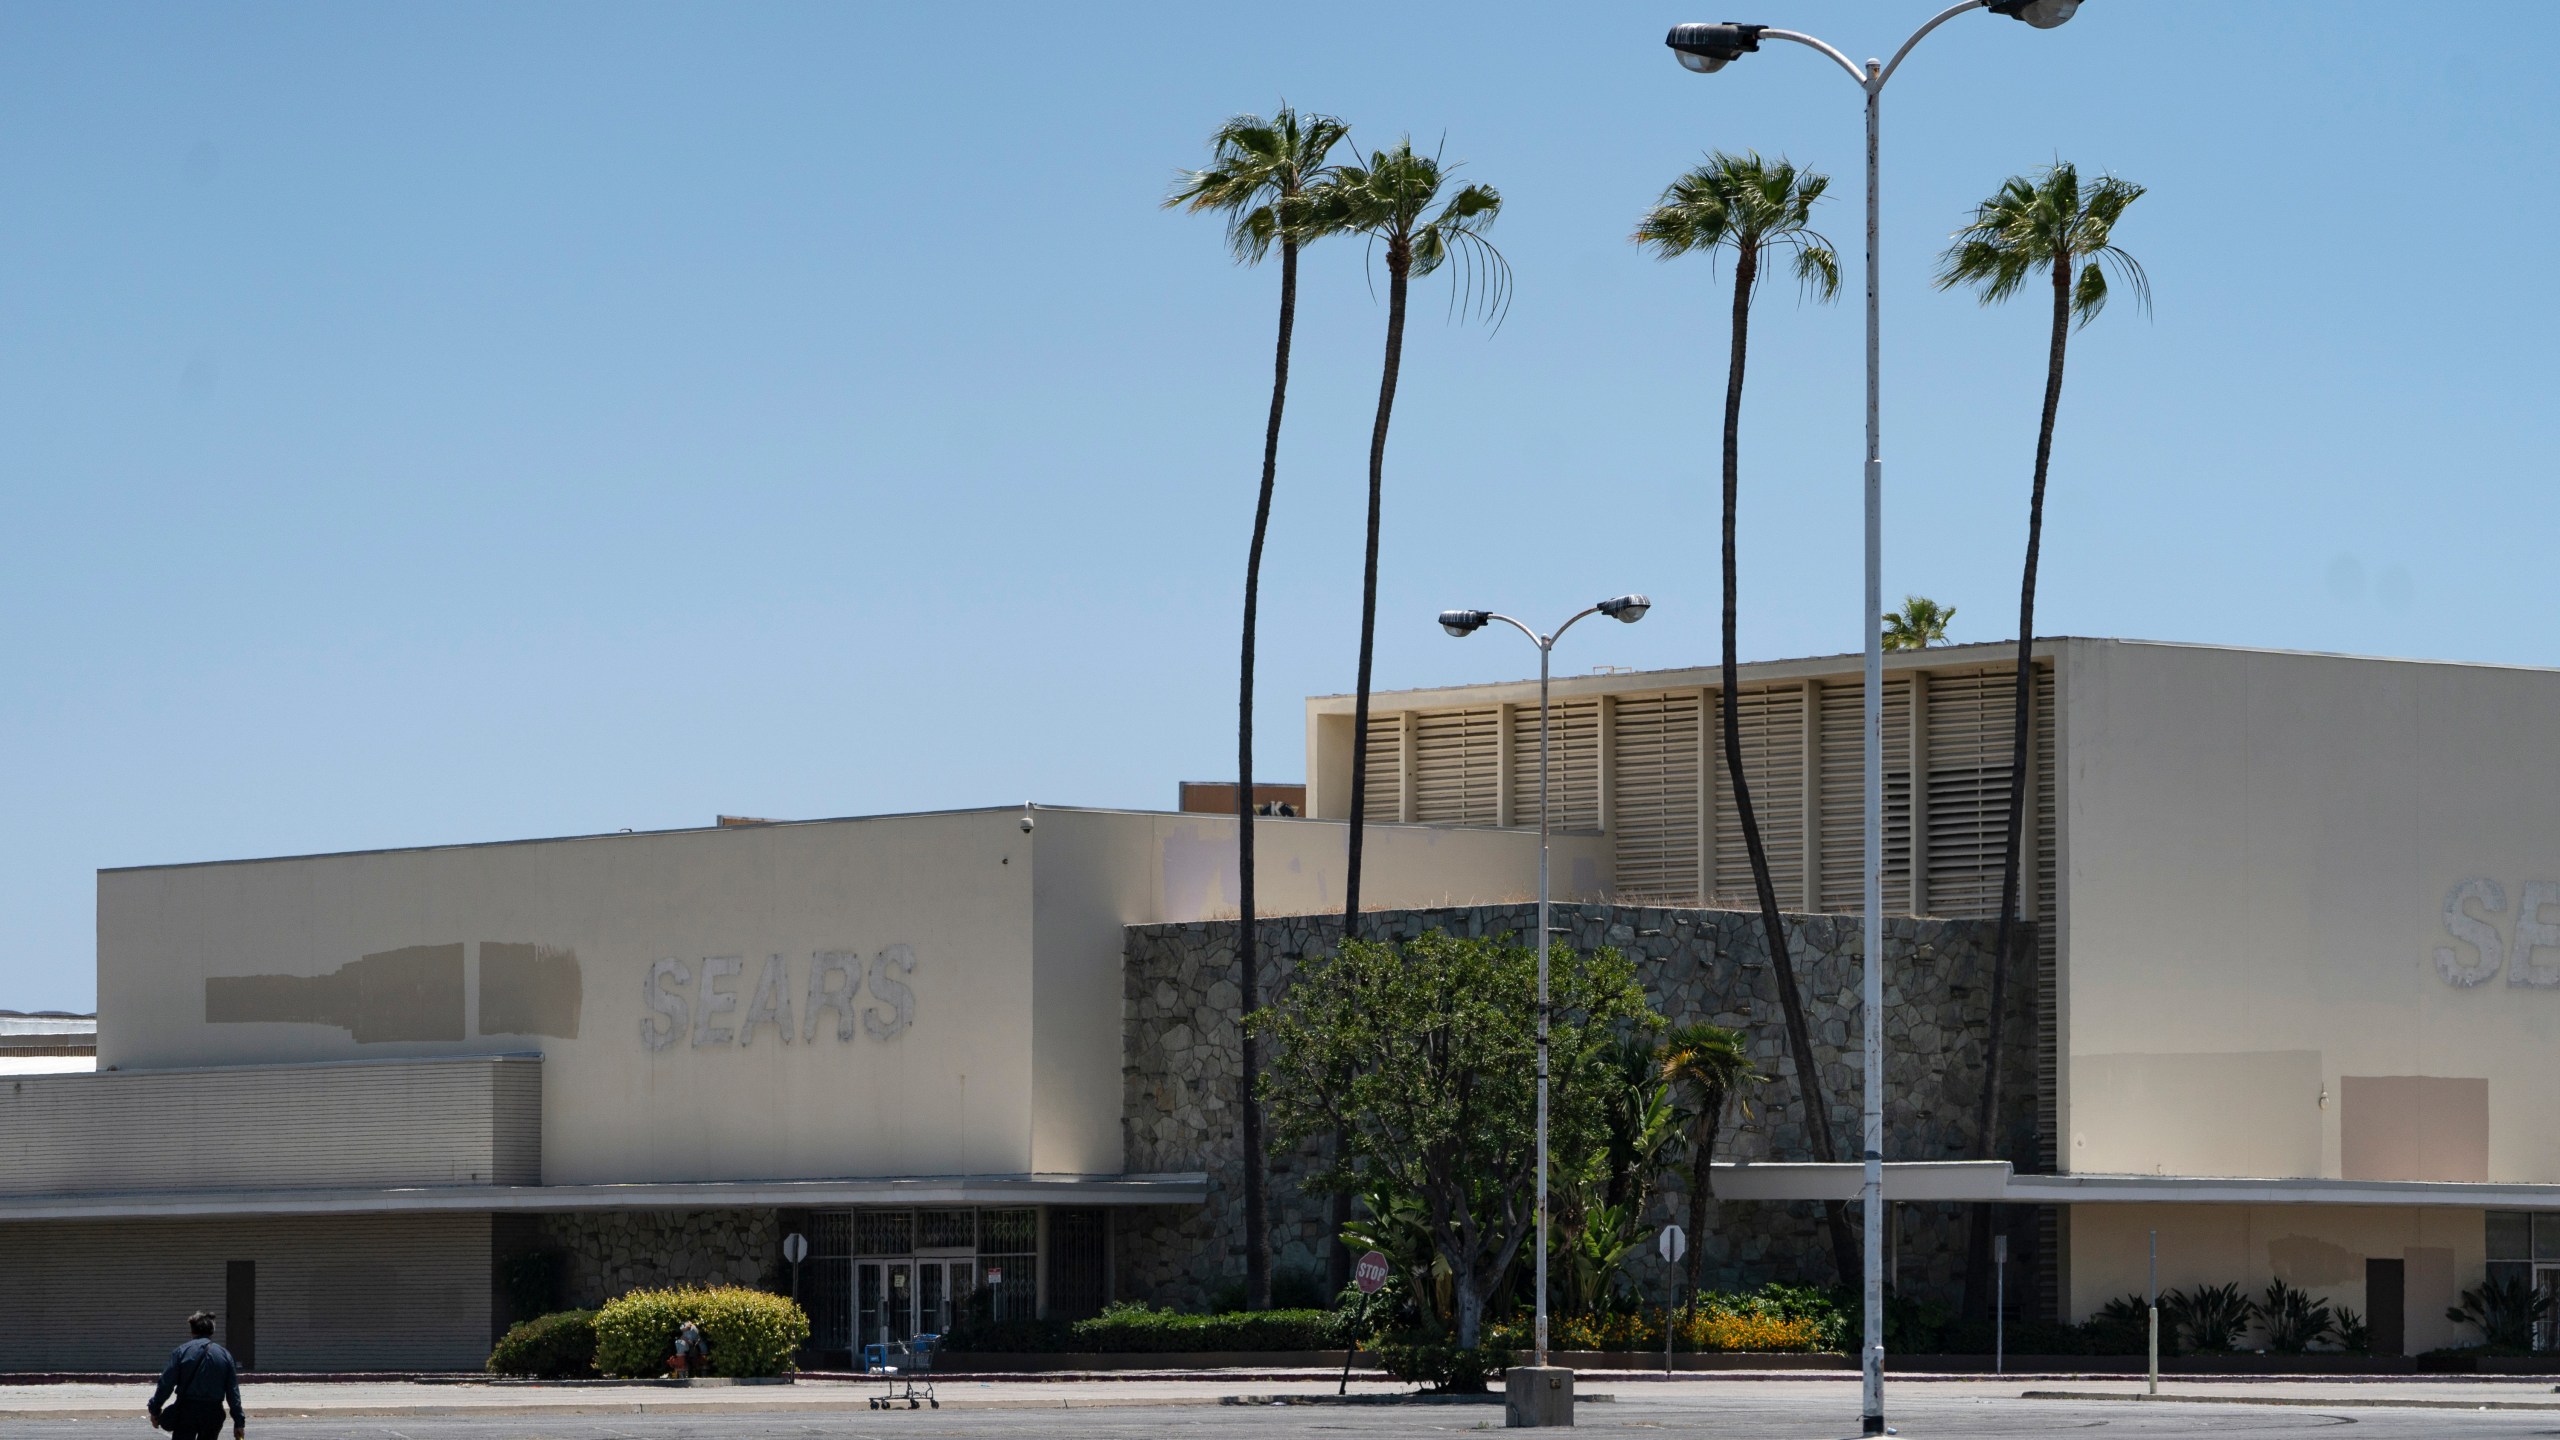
[(1626, 609), (1707, 49)]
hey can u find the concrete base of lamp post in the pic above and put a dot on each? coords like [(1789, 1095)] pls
[(1538, 1395)]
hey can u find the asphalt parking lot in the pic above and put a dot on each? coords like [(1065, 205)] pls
[(1776, 1410)]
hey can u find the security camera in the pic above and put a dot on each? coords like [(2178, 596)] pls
[(1026, 824)]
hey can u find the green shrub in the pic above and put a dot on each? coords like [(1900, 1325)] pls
[(559, 1346), (745, 1332), (1449, 1369), (1135, 1329)]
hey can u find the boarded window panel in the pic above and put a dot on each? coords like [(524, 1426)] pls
[(1458, 756), (1657, 797), (1574, 778), (1843, 756), (1770, 724)]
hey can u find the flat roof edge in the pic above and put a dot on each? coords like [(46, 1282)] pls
[(1181, 1188)]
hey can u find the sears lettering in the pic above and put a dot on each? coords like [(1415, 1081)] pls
[(710, 1014)]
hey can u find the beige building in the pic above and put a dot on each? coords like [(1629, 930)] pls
[(366, 1083), (2299, 921), (2298, 978)]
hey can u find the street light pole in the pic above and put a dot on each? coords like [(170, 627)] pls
[(1707, 49), (1627, 609)]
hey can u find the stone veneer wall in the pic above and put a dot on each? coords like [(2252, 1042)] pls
[(1182, 1053), (611, 1251)]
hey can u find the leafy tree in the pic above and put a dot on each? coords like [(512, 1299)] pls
[(1752, 207), (1598, 1214), (2043, 225), (1424, 1057), (1395, 198), (1261, 177), (1714, 1065), (1919, 624)]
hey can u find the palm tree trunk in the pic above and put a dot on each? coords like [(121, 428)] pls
[(1844, 1249), (1702, 1159), (1257, 1225), (1399, 270), (1987, 1105)]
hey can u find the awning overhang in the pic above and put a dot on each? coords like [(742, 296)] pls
[(1191, 1188), (1997, 1182)]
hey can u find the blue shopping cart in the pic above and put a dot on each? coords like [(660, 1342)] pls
[(907, 1366)]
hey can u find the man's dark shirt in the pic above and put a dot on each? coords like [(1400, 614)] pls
[(215, 1381)]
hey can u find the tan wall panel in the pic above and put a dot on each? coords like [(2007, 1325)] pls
[(334, 1292), (2413, 1127), (428, 1122), (2251, 1114)]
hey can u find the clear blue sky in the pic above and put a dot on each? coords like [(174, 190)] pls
[(457, 422)]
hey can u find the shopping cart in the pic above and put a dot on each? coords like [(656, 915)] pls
[(907, 1366)]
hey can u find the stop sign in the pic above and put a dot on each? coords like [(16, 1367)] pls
[(1370, 1273)]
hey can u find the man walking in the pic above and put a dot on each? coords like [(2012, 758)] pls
[(200, 1379)]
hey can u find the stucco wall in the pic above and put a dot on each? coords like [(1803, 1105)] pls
[(405, 1292), (2319, 1248), (2260, 853), (1183, 1052), (907, 995)]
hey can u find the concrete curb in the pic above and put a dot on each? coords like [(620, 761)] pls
[(2305, 1402)]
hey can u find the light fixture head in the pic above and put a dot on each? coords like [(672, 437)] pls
[(1463, 623), (2042, 14), (1625, 609), (1707, 49)]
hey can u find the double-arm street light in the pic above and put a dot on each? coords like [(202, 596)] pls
[(1707, 49), (1626, 609)]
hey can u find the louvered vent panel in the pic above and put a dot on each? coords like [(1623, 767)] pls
[(1574, 778), (2048, 928), (1969, 736), (1771, 727), (1386, 767), (1844, 763), (1458, 753), (1657, 798)]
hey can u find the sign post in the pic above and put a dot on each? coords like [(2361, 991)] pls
[(1370, 1274), (795, 1248), (1673, 1244), (2000, 1305)]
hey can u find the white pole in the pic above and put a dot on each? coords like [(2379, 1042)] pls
[(1545, 652), (2000, 1304), (2155, 1312), (1871, 997)]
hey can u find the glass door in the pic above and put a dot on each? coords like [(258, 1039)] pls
[(885, 1302), (942, 1293), (2546, 1331)]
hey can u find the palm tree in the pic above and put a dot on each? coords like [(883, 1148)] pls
[(1395, 199), (1751, 207), (1715, 1065), (1260, 175), (2042, 225), (1919, 624)]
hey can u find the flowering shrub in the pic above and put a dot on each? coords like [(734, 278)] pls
[(745, 1332), (1775, 1318)]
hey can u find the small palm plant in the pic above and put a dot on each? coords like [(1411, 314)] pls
[(1755, 209), (2295, 1319), (2506, 1309), (1261, 177), (1404, 202), (1919, 624), (1714, 1065), (2214, 1317), (2046, 225)]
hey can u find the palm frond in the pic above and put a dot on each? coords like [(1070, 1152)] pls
[(1260, 175), (2033, 224)]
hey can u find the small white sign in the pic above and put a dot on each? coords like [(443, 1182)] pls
[(1673, 1244), (795, 1247), (995, 1275)]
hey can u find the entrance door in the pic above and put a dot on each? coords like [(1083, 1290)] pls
[(942, 1293), (2546, 1331), (885, 1308)]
